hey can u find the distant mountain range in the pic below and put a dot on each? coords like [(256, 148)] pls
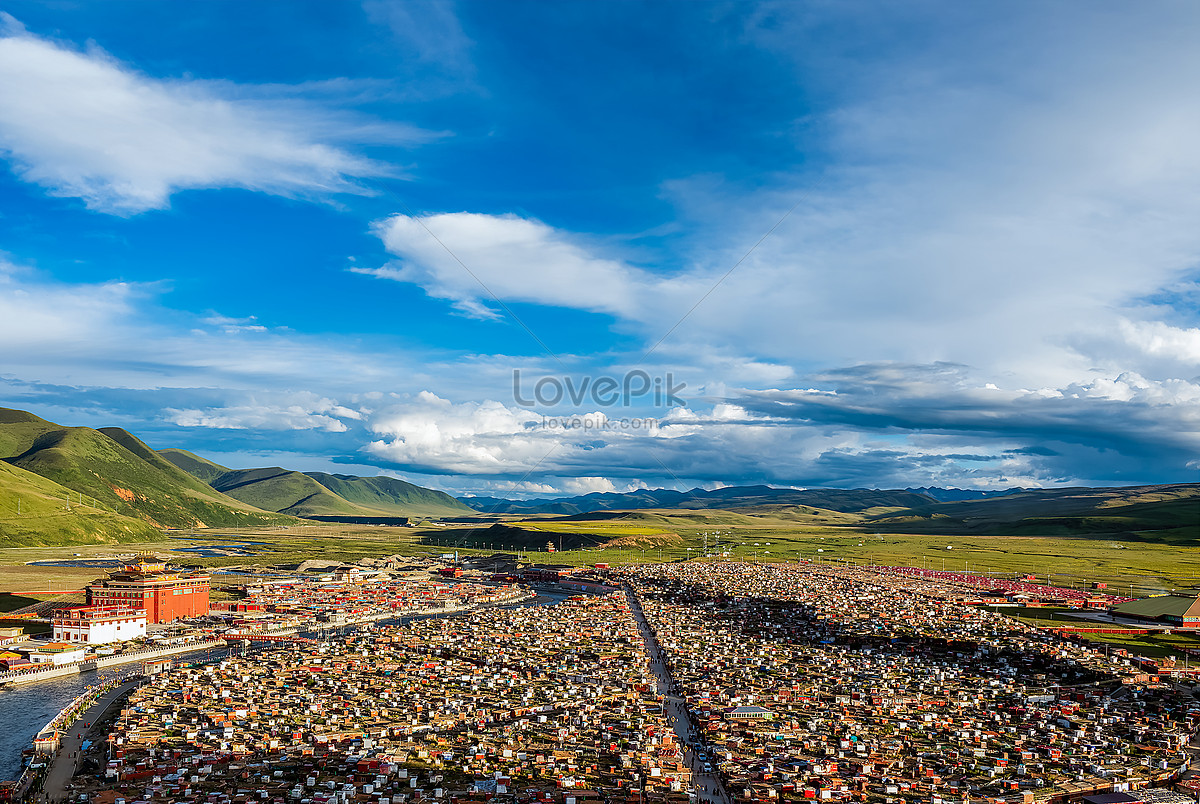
[(1168, 513), (842, 500), (958, 495)]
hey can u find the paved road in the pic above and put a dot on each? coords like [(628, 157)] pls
[(66, 762), (705, 785)]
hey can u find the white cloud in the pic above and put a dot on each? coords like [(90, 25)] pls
[(298, 411), (515, 258), (1159, 339), (68, 320), (589, 485), (231, 326), (430, 29), (81, 124), (884, 425), (469, 438), (117, 334)]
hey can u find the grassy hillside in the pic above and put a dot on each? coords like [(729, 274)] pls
[(194, 465), (389, 495), (320, 494), (34, 511), (123, 474), (18, 431), (276, 489), (1169, 514)]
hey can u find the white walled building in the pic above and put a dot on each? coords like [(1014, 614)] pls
[(97, 625), (58, 653)]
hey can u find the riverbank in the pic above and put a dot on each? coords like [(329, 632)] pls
[(68, 753), (17, 677)]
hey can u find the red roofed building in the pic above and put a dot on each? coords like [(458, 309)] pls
[(148, 584)]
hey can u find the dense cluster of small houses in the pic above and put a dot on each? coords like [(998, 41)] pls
[(801, 682), (353, 593), (530, 703), (850, 684)]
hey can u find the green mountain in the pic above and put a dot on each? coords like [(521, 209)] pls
[(1168, 514), (37, 511), (119, 474), (193, 464), (283, 490), (391, 496), (320, 494)]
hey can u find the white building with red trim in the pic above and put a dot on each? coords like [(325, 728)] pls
[(97, 625)]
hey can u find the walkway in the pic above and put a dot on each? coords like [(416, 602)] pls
[(66, 761), (705, 784)]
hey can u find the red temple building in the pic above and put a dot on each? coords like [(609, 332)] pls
[(165, 594)]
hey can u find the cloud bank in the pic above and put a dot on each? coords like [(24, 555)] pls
[(80, 124)]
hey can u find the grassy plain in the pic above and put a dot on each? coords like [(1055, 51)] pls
[(1128, 568)]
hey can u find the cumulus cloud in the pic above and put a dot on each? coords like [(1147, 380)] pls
[(81, 124), (433, 435), (1161, 340), (884, 424)]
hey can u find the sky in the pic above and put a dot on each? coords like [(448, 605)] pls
[(527, 248)]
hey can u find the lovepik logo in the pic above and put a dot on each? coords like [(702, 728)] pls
[(605, 391)]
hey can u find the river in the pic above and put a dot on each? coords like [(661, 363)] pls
[(26, 708)]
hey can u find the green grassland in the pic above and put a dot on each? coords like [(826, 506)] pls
[(135, 482), (1155, 645), (320, 494), (647, 537), (1137, 567), (18, 431), (66, 486), (36, 510)]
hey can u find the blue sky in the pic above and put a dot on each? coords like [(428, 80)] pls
[(354, 237)]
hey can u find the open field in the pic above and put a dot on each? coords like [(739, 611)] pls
[(1136, 568), (1155, 645), (42, 582)]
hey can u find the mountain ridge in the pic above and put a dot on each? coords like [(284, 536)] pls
[(306, 494), (116, 475)]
